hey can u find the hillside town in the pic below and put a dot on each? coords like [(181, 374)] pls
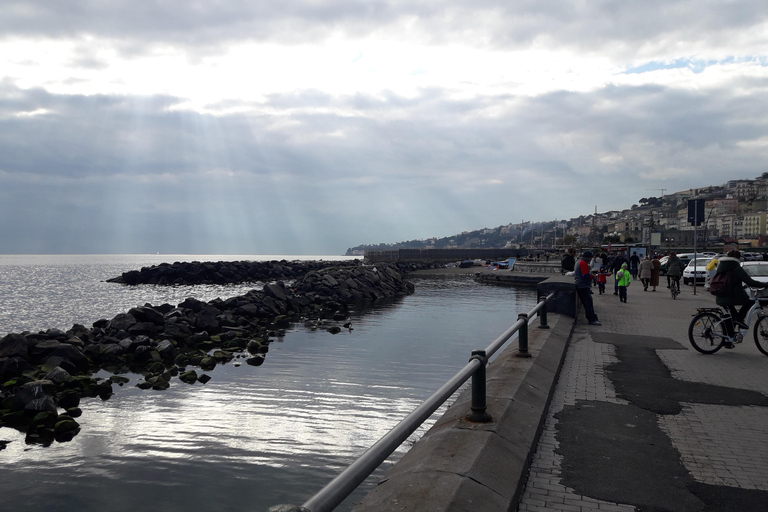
[(734, 213)]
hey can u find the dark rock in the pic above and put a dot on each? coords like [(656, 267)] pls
[(44, 403), (189, 377), (255, 361), (334, 330), (14, 345), (11, 367), (58, 375), (121, 322), (204, 378), (147, 314)]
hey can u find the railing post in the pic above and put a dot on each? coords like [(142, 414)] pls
[(543, 314), (478, 413), (522, 339)]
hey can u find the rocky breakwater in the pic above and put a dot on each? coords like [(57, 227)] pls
[(224, 272), (44, 375)]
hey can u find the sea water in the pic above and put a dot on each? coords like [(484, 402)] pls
[(252, 437)]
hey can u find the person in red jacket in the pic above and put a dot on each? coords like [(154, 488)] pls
[(602, 278), (583, 278)]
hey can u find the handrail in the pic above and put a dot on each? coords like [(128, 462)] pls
[(330, 496)]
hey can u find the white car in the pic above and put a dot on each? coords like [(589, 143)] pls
[(695, 269), (757, 270)]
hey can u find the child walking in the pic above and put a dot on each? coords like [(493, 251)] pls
[(602, 278), (623, 277)]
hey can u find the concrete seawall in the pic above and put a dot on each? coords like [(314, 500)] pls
[(463, 466)]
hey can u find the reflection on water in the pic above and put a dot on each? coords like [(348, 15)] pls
[(255, 437)]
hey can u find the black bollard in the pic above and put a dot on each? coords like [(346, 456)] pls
[(522, 340), (478, 413)]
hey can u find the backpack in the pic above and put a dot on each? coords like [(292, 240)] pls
[(721, 284)]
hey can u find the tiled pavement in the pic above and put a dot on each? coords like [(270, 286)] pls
[(718, 444)]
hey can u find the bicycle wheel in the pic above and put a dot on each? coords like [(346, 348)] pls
[(703, 333), (761, 334)]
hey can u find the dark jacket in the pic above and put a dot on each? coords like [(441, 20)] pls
[(674, 266), (581, 274), (737, 295), (617, 262), (568, 263)]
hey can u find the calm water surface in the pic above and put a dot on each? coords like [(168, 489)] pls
[(252, 437)]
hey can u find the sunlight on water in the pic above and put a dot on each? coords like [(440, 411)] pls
[(257, 436)]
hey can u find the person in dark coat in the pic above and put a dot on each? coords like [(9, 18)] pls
[(737, 295), (568, 262)]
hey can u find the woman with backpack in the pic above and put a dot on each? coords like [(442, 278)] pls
[(733, 294)]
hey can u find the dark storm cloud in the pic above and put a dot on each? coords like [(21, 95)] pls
[(615, 26)]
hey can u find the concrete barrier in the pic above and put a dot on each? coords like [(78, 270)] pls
[(565, 298), (463, 466)]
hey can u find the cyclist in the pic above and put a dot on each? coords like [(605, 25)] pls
[(674, 270), (736, 295)]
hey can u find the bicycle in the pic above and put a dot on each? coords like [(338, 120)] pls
[(708, 333), (674, 286)]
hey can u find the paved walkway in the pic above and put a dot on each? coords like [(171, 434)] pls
[(641, 421)]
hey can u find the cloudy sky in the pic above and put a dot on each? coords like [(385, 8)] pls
[(307, 127)]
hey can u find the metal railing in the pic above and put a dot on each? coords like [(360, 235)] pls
[(330, 496)]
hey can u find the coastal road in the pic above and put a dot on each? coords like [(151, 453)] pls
[(640, 421)]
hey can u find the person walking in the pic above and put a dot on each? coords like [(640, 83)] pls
[(655, 271), (602, 278), (582, 277), (634, 264), (736, 295), (616, 264), (623, 278), (597, 263), (645, 270)]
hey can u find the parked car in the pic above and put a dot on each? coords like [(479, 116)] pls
[(695, 269), (757, 270)]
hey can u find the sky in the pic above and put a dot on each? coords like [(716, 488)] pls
[(307, 126)]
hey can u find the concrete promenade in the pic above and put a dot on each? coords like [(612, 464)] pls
[(641, 421)]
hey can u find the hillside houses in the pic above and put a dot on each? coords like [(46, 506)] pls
[(734, 211), (737, 210)]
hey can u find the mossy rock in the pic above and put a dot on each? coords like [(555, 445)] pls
[(155, 368), (15, 418), (44, 419), (64, 426), (223, 356), (16, 381), (189, 377), (238, 343), (119, 380), (144, 385), (282, 321), (255, 361), (254, 345), (75, 412), (68, 399), (160, 384), (181, 360), (207, 363)]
